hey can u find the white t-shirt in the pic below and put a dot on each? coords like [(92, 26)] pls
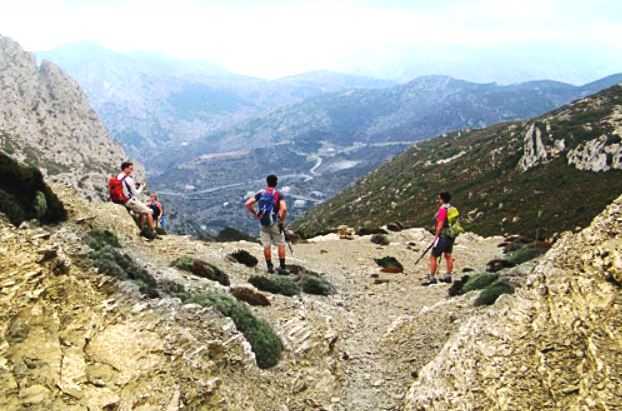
[(129, 186)]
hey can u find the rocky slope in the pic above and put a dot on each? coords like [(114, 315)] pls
[(554, 345), (73, 337), (513, 177), (46, 121)]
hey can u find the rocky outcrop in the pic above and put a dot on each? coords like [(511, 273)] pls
[(535, 152), (46, 120), (554, 345), (598, 154)]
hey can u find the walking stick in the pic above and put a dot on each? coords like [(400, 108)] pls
[(424, 253)]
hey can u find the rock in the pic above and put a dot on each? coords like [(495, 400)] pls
[(345, 233), (35, 394), (389, 264), (381, 281), (596, 155), (380, 239), (535, 152)]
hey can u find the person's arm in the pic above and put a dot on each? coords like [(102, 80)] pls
[(249, 206), (282, 212), (131, 187)]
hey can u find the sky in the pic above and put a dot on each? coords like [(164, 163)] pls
[(277, 37)]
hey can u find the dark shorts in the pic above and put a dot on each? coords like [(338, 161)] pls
[(444, 245)]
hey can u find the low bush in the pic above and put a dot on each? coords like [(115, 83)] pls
[(380, 239), (526, 253), (489, 295), (275, 284), (110, 261), (249, 296), (244, 257), (100, 238), (479, 281), (176, 290), (231, 234), (265, 343), (183, 263), (315, 284), (210, 271), (25, 195)]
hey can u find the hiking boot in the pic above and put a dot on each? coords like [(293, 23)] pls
[(447, 279), (270, 268), (428, 280), (148, 233)]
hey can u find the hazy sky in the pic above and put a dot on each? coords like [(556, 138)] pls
[(278, 37)]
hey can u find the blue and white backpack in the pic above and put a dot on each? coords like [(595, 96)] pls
[(267, 206)]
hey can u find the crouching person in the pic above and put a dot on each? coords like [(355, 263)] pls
[(123, 190), (271, 212)]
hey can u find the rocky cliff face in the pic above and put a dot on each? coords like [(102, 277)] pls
[(46, 120), (554, 345)]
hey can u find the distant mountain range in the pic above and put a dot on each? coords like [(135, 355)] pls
[(325, 143), (151, 103), (550, 173)]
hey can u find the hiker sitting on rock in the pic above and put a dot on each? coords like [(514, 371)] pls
[(443, 241), (271, 212), (123, 190)]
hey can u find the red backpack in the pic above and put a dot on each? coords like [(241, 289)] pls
[(115, 186)]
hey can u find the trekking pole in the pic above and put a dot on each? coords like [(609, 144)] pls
[(424, 253), (286, 240)]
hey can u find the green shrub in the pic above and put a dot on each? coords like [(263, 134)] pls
[(489, 295), (315, 284), (110, 261), (176, 290), (388, 261), (275, 284), (210, 271), (526, 253), (266, 345), (231, 234), (101, 238), (244, 257), (183, 263), (22, 188), (478, 282)]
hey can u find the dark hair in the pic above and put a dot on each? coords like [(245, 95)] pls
[(126, 164), (272, 180), (445, 196)]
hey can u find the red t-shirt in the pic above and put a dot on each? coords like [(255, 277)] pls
[(441, 215)]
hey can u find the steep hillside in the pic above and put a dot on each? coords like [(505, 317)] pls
[(513, 177), (152, 103), (46, 121), (325, 143), (553, 345)]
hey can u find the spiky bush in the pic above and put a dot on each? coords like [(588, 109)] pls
[(489, 295), (479, 281), (24, 194), (275, 284), (249, 296), (183, 263), (100, 238), (210, 271), (526, 253), (176, 290), (315, 284), (244, 257), (266, 345)]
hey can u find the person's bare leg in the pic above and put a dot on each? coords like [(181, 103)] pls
[(282, 256), (433, 265), (150, 221), (267, 253), (450, 263)]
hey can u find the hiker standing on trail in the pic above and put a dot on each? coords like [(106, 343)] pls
[(132, 193), (443, 242), (271, 212), (156, 208)]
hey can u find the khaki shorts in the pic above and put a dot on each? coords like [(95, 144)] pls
[(138, 206), (270, 235)]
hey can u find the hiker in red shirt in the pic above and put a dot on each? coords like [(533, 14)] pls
[(442, 243)]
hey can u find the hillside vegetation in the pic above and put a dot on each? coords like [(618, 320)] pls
[(563, 166)]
